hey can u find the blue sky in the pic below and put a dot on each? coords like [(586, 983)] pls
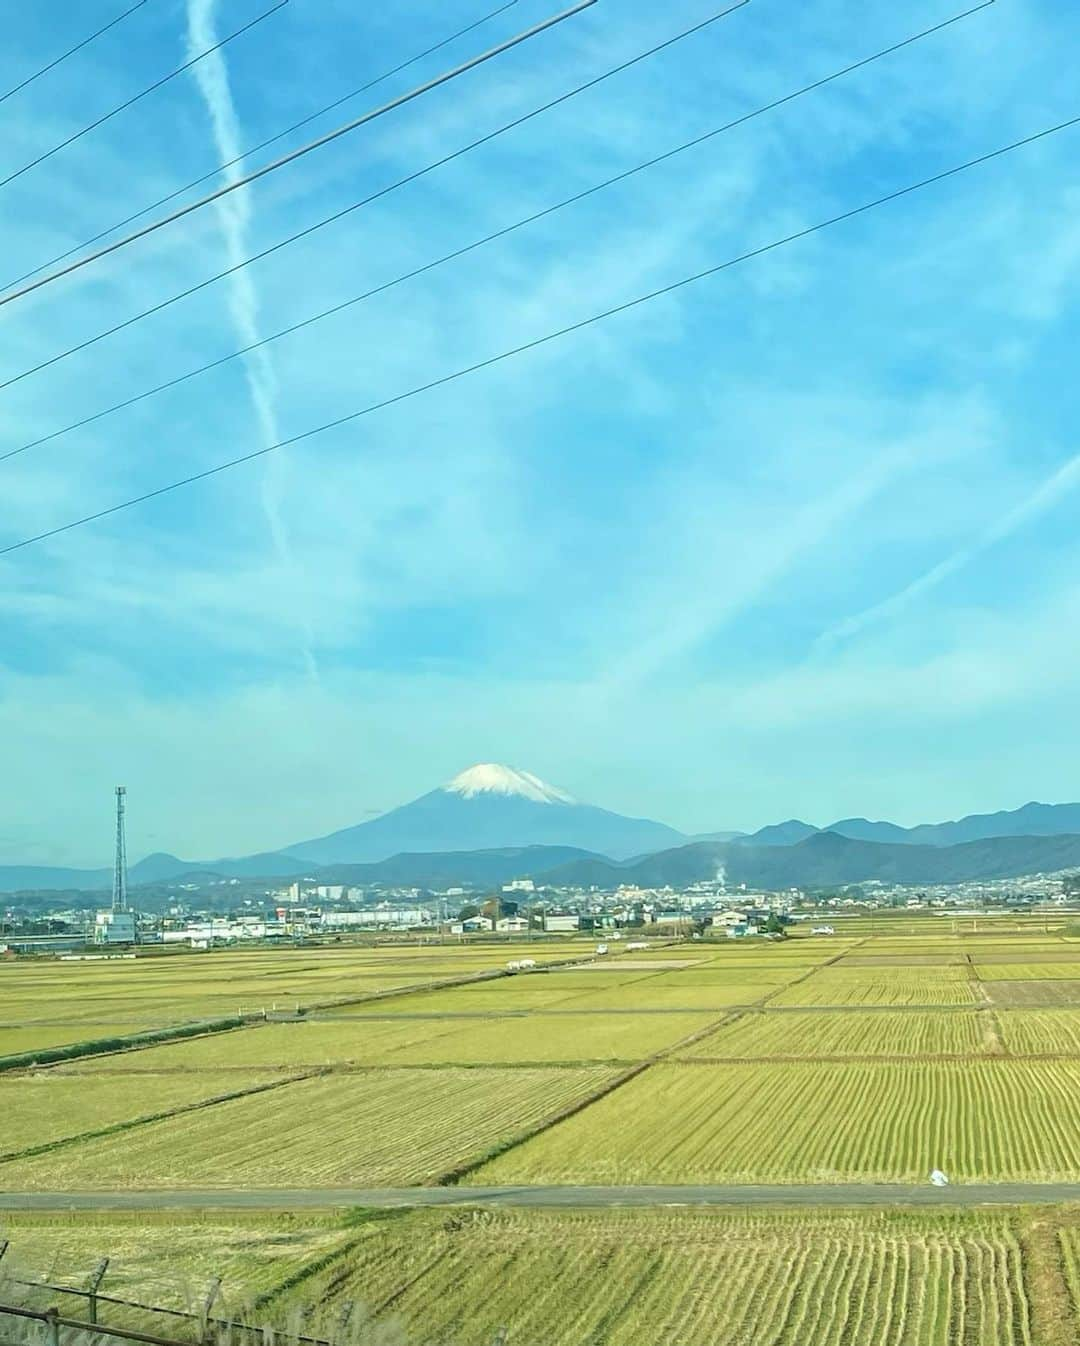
[(797, 540)]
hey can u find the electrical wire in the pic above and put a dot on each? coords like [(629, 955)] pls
[(130, 102), (696, 142), (18, 88), (248, 178), (556, 335), (364, 201), (254, 149)]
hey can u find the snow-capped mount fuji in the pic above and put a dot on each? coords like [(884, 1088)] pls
[(494, 779), (489, 806)]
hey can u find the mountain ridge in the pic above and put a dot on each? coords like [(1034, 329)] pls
[(828, 859), (491, 808), (487, 806), (1031, 819), (823, 860)]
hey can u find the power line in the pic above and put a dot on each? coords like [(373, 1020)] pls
[(498, 233), (150, 88), (383, 191), (254, 149), (18, 88), (325, 139), (547, 338)]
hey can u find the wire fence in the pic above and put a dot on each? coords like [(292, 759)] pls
[(39, 1312)]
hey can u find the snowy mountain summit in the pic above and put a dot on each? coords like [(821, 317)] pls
[(484, 808), (491, 778)]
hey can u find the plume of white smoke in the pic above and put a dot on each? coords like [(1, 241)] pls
[(234, 213)]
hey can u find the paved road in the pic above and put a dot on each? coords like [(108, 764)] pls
[(289, 1198)]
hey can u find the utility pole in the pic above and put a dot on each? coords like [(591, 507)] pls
[(119, 892)]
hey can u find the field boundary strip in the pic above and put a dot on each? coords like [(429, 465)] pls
[(454, 1176), (763, 1001), (994, 1041), (377, 1067), (117, 1046), (131, 1123), (863, 1059), (305, 1273), (977, 983), (448, 983), (114, 1046), (1049, 1297)]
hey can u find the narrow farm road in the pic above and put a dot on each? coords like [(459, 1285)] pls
[(284, 1198)]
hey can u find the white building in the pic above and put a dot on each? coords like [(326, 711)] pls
[(563, 923), (741, 930), (519, 886), (375, 917), (114, 927), (220, 929), (342, 920)]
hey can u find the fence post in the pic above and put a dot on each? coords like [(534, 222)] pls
[(96, 1277), (207, 1304), (3, 1247), (52, 1327)]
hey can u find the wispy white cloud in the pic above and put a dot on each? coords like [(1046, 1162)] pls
[(1050, 492), (727, 570)]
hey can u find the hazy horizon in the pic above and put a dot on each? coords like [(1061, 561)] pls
[(137, 850)]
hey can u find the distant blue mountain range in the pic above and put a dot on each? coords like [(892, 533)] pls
[(1032, 820), (500, 822)]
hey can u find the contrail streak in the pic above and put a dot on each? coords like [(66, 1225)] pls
[(234, 212), (1045, 496)]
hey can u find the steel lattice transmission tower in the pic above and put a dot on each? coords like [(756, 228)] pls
[(119, 890)]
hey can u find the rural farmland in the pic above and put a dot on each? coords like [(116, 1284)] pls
[(559, 1278), (866, 1058)]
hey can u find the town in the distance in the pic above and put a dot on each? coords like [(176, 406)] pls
[(498, 851)]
